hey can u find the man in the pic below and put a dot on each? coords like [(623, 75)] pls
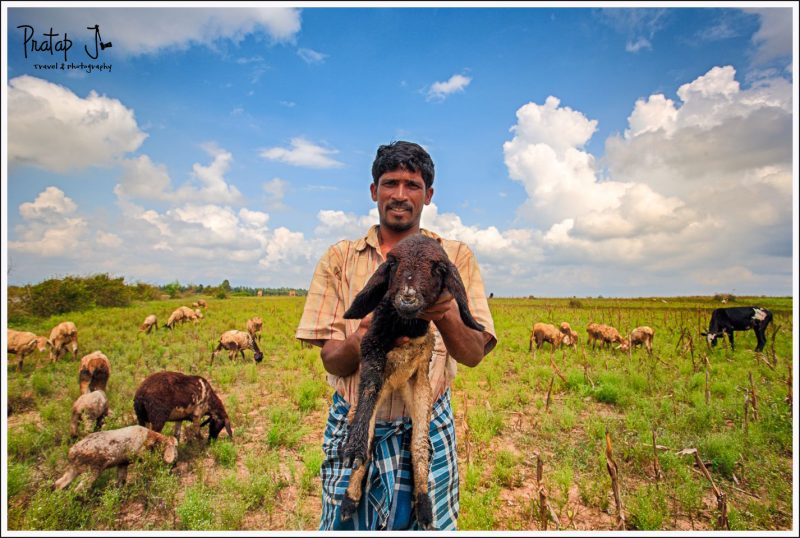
[(402, 185)]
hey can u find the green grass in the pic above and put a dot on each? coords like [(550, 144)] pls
[(268, 477)]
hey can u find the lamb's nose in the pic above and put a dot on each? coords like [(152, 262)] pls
[(409, 297)]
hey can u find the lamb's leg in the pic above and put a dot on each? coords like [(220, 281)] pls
[(73, 424), (177, 432), (88, 481), (67, 478), (359, 468), (122, 474), (98, 424), (419, 400)]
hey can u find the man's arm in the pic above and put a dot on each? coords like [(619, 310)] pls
[(464, 344), (341, 357)]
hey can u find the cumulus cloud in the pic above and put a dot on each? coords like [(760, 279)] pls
[(441, 90), (50, 226), (303, 153), (52, 128), (276, 189), (773, 40), (144, 179), (135, 31)]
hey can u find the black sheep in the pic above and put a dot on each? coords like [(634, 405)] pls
[(415, 274)]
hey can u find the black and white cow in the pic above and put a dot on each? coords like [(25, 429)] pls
[(740, 318)]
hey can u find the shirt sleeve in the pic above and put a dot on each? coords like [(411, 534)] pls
[(323, 313), (470, 273)]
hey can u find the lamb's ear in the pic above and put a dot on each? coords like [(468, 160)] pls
[(228, 428), (452, 281), (369, 297)]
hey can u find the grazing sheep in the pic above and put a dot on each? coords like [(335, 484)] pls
[(593, 331), (62, 337), (639, 336), (609, 335), (113, 448), (150, 322), (94, 405), (416, 273), (254, 326), (175, 397), (570, 336), (22, 344), (236, 342), (94, 372), (195, 305), (544, 332), (181, 314), (202, 303)]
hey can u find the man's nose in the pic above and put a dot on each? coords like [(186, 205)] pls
[(400, 193)]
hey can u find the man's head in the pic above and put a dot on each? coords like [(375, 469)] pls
[(402, 176)]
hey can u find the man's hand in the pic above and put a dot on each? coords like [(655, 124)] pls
[(437, 310)]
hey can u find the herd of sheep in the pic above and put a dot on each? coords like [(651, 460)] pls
[(597, 333), (162, 397)]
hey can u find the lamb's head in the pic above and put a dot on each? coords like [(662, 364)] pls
[(415, 274), (41, 343)]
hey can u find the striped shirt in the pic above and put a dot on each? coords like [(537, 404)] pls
[(343, 271)]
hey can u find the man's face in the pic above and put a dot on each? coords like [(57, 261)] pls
[(400, 195)]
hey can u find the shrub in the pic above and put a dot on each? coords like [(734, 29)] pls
[(196, 511)]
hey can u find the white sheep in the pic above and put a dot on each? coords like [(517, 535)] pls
[(93, 405), (113, 448), (63, 337), (23, 343), (254, 326), (236, 342), (150, 322)]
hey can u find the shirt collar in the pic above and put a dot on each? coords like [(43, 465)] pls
[(371, 239)]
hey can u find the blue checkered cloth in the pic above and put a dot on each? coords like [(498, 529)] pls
[(388, 486)]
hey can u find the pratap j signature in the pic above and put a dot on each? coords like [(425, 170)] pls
[(54, 43)]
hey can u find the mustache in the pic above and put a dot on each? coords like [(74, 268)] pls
[(400, 205)]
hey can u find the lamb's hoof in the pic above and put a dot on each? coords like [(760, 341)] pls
[(349, 507), (424, 511)]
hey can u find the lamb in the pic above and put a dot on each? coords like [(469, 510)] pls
[(202, 303), (544, 332), (23, 343), (113, 448), (150, 322), (62, 337), (237, 341), (93, 405), (254, 326), (181, 314), (570, 336), (94, 372), (593, 331), (197, 314), (639, 336), (175, 397), (609, 335), (415, 274)]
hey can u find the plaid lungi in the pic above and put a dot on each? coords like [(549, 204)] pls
[(389, 477)]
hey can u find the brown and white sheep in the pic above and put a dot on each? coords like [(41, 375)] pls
[(93, 372), (610, 335), (150, 322), (23, 343), (181, 314), (254, 326), (415, 274), (570, 337), (202, 303), (174, 397), (93, 405), (113, 448), (236, 342), (593, 331), (639, 336), (544, 332), (63, 337)]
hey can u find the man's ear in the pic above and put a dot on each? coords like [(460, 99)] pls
[(452, 281), (373, 189), (428, 195), (369, 297)]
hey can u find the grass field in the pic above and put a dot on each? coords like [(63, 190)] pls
[(268, 478)]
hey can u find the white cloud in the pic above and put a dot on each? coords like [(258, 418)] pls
[(50, 202), (135, 31), (311, 56), (108, 240), (52, 128), (276, 189), (49, 227), (440, 90), (639, 44), (143, 179), (303, 153), (773, 40)]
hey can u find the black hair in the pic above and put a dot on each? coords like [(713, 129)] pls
[(406, 155)]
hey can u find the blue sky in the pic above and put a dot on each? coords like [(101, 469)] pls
[(578, 151)]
